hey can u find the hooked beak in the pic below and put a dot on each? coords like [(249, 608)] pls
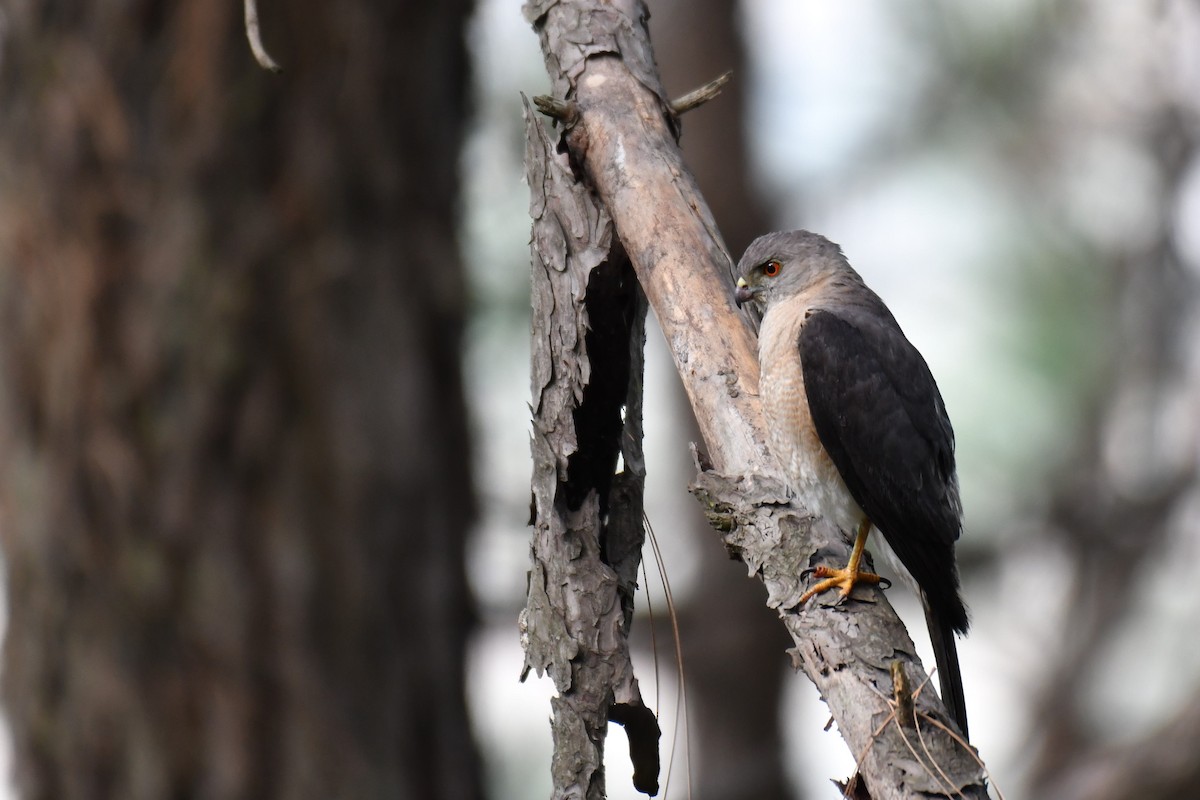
[(744, 293)]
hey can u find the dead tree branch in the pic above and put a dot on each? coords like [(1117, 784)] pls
[(621, 147), (586, 370)]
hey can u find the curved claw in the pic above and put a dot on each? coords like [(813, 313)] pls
[(844, 580)]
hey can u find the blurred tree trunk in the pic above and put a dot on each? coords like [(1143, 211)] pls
[(235, 466), (734, 648), (1120, 509), (695, 42)]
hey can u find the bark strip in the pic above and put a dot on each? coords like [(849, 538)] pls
[(587, 379)]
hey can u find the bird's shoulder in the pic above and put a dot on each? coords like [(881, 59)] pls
[(860, 335)]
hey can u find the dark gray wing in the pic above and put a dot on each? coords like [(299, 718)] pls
[(879, 414)]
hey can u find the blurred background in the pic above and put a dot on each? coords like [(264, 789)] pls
[(264, 386)]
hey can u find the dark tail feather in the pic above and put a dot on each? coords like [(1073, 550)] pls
[(945, 652)]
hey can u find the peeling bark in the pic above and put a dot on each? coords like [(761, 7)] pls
[(587, 380), (846, 650), (621, 136)]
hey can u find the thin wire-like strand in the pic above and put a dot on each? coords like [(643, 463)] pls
[(970, 751), (653, 639), (681, 691), (945, 779)]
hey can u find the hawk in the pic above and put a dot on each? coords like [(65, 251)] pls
[(858, 426)]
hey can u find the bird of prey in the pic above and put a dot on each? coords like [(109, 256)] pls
[(858, 426)]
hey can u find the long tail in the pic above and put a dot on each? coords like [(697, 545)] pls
[(945, 652)]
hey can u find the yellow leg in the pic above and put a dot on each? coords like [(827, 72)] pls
[(844, 579)]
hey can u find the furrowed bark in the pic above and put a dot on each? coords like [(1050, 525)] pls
[(587, 383), (621, 135)]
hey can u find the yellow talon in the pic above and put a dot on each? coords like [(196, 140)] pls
[(845, 579)]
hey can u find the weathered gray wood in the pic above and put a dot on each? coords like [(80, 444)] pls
[(621, 133), (588, 340), (846, 650)]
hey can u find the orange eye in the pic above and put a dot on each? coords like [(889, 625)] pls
[(772, 268)]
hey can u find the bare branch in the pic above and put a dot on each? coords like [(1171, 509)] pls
[(256, 46), (598, 55), (698, 97), (588, 343), (563, 111)]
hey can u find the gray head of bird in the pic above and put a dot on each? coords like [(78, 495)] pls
[(780, 265)]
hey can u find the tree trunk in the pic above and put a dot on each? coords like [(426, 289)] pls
[(236, 479), (587, 350)]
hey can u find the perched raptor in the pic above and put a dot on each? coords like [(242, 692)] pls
[(858, 426)]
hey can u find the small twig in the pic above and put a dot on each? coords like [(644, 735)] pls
[(900, 689), (564, 111), (863, 757), (904, 702), (902, 693), (698, 97), (256, 46), (930, 759), (965, 746)]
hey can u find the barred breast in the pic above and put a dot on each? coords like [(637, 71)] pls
[(791, 435)]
